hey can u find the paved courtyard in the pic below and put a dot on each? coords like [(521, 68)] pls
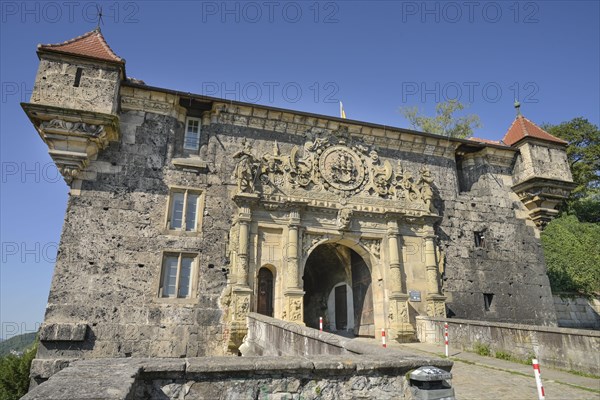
[(477, 382), (479, 378)]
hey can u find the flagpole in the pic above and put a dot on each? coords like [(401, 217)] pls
[(342, 112)]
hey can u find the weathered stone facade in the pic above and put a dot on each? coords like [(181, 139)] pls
[(410, 223)]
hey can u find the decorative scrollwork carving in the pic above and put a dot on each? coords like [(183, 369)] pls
[(74, 127), (334, 166), (373, 245), (308, 241)]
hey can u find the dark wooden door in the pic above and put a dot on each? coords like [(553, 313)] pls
[(341, 308), (362, 294), (265, 292)]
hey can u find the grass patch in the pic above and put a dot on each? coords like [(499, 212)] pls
[(502, 355), (481, 349), (584, 374)]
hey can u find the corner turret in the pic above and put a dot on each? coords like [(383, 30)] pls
[(75, 99), (541, 177)]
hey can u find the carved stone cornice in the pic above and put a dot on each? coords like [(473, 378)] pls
[(73, 137), (542, 197)]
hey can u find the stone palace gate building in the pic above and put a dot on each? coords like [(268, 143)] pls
[(187, 212)]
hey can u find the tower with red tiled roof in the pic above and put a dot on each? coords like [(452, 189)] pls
[(75, 99), (542, 178)]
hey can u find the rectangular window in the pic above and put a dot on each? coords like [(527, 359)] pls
[(487, 300), (176, 280), (479, 240), (191, 140), (183, 210), (78, 77)]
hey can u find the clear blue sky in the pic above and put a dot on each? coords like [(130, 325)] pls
[(375, 56)]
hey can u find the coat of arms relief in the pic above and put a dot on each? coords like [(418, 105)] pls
[(337, 165)]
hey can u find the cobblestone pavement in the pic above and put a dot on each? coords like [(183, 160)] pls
[(478, 382), (480, 378)]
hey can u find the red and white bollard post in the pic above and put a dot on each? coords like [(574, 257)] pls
[(383, 338), (538, 379), (446, 337), (321, 323)]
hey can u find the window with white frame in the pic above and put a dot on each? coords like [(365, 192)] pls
[(191, 140), (177, 272), (184, 205)]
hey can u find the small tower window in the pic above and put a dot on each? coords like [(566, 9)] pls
[(78, 77), (480, 239), (487, 300)]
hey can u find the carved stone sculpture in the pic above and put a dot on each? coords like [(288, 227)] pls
[(333, 168), (245, 170), (425, 188), (74, 127), (344, 218)]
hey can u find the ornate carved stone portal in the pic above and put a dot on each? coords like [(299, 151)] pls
[(335, 189)]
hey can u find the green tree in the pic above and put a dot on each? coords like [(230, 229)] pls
[(14, 374), (572, 252), (583, 152), (444, 122)]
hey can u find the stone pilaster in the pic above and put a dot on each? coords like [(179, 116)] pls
[(241, 292), (294, 295), (244, 218), (402, 330), (292, 250), (435, 300)]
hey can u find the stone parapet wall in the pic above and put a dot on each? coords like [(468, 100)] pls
[(347, 376), (317, 365), (273, 337), (571, 349), (577, 312)]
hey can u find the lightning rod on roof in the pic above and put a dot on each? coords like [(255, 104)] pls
[(518, 107), (99, 12)]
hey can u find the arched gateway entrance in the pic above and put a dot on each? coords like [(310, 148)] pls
[(346, 235), (337, 286)]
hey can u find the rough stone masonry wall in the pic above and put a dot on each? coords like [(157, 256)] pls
[(109, 262), (509, 266), (97, 91), (232, 378), (571, 349), (577, 312)]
